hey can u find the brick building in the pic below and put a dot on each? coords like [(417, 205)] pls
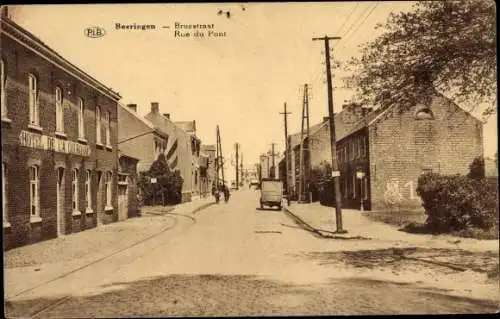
[(59, 142), (392, 149), (128, 201)]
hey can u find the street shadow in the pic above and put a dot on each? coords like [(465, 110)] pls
[(395, 259), (267, 209), (236, 295)]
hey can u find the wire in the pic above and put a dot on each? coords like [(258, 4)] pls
[(362, 22), (348, 17)]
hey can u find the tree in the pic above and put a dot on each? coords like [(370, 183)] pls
[(477, 169), (168, 182), (446, 45)]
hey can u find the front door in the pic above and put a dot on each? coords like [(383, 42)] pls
[(60, 201), (122, 202)]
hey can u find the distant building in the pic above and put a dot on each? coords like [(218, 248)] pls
[(128, 201), (59, 143), (182, 150), (138, 138), (207, 167), (391, 149)]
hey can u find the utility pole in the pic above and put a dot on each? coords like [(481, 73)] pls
[(236, 146), (241, 168), (335, 169), (304, 173), (219, 156), (273, 167), (287, 153)]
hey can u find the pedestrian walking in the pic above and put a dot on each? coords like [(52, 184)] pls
[(226, 193)]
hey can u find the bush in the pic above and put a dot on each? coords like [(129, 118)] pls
[(168, 184), (477, 169), (455, 203)]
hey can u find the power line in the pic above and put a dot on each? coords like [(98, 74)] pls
[(362, 22), (348, 17), (355, 22)]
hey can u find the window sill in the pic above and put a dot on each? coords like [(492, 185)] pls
[(61, 135), (108, 208), (6, 120), (82, 140), (35, 219), (76, 213), (35, 127), (6, 224), (122, 183), (89, 211)]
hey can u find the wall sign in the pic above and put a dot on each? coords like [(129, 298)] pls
[(49, 143)]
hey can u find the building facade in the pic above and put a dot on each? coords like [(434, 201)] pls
[(208, 167), (59, 143), (128, 201), (181, 151), (138, 138)]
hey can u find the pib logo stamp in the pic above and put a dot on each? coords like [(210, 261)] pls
[(94, 32)]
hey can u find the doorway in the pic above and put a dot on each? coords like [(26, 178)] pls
[(122, 197), (60, 201)]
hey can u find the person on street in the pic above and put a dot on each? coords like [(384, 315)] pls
[(226, 193)]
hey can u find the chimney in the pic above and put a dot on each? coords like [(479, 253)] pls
[(132, 107), (167, 115), (155, 107)]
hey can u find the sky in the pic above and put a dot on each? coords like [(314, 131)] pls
[(239, 81)]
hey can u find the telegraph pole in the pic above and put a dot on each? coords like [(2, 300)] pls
[(273, 171), (304, 173), (287, 151), (236, 146), (335, 168)]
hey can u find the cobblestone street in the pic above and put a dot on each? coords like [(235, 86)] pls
[(235, 259)]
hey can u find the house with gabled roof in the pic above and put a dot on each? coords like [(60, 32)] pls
[(381, 153)]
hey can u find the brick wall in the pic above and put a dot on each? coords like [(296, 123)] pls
[(401, 148), (20, 62)]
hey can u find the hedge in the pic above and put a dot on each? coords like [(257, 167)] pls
[(456, 202)]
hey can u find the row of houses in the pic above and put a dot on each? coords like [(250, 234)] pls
[(71, 152), (381, 153)]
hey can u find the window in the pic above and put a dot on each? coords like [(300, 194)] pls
[(33, 99), (2, 89), (88, 193), (4, 194), (59, 111), (109, 179), (108, 129), (345, 188), (363, 146), (74, 190), (98, 125), (358, 144), (354, 186), (355, 149), (122, 179), (81, 120), (34, 191), (365, 188)]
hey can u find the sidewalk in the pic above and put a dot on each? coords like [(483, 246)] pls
[(30, 265), (321, 220)]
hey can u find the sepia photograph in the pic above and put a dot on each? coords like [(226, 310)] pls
[(249, 159)]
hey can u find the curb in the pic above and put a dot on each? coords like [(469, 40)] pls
[(202, 207), (321, 233)]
